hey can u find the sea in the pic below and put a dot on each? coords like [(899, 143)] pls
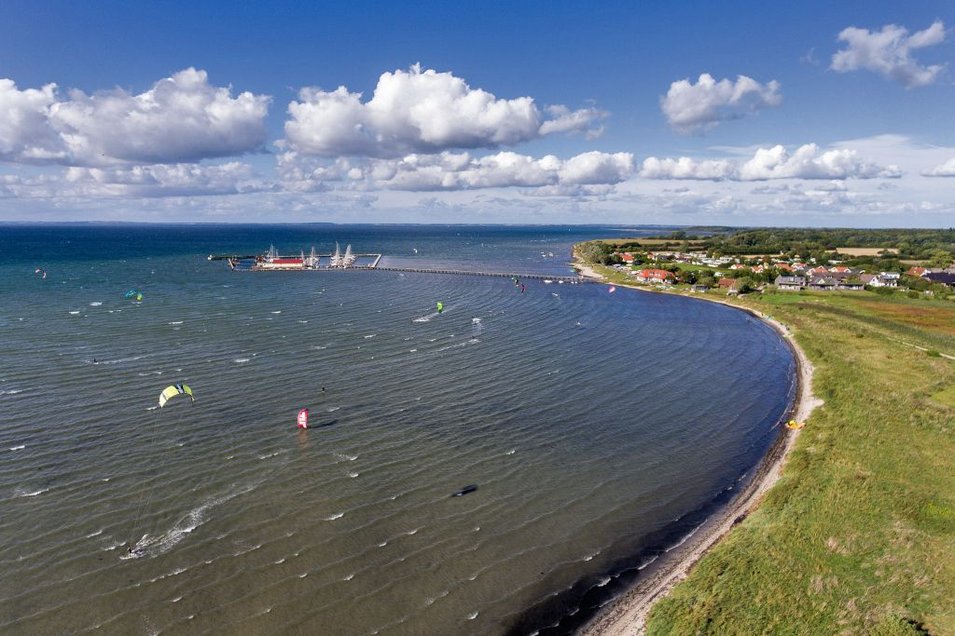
[(600, 428)]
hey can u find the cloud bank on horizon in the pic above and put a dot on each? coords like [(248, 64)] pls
[(429, 131)]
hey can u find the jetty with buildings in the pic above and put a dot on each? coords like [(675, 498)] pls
[(338, 261), (273, 261)]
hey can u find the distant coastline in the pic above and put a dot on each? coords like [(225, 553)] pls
[(628, 613)]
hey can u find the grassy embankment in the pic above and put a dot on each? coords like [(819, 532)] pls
[(858, 536)]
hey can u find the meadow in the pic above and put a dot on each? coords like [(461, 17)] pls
[(858, 535)]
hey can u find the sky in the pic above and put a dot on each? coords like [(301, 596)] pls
[(817, 113)]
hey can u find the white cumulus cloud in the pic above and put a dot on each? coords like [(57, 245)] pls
[(686, 168), (946, 169), (807, 162), (180, 119), (450, 171), (420, 111), (25, 131), (888, 52), (143, 181), (691, 108)]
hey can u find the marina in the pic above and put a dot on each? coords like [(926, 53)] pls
[(273, 261), (315, 262)]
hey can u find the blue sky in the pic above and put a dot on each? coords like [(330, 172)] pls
[(729, 113)]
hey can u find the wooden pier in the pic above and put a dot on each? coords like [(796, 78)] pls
[(464, 272), (233, 260)]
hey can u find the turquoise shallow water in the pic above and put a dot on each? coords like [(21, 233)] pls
[(600, 428)]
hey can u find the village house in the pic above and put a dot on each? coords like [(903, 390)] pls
[(654, 276), (882, 279), (791, 283), (821, 283), (941, 277), (850, 284)]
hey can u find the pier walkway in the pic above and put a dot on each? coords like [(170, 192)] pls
[(464, 272), (375, 266)]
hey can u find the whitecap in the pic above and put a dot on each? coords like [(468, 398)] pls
[(412, 351), (16, 448), (319, 347), (304, 322), (603, 581), (241, 360), (473, 615), (174, 322), (372, 335), (335, 516), (94, 534), (349, 577), (684, 539), (353, 475), (282, 560), (646, 563), (23, 492), (511, 452), (332, 409), (95, 304), (161, 544), (277, 312), (74, 313), (382, 544)]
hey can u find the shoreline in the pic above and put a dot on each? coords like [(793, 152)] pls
[(627, 614)]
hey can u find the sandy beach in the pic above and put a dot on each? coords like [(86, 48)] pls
[(627, 614)]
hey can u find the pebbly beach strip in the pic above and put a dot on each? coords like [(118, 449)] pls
[(627, 613)]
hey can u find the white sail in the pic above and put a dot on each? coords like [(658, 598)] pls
[(348, 258)]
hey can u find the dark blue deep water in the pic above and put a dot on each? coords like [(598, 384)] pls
[(599, 428)]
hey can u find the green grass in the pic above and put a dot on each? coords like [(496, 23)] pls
[(858, 536)]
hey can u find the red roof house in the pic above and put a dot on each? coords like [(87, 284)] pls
[(654, 276)]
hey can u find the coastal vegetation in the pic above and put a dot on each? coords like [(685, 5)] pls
[(919, 262), (918, 244), (858, 535)]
